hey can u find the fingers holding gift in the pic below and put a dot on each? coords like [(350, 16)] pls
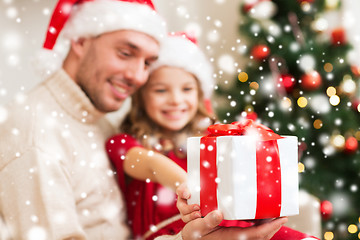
[(203, 228), (192, 215), (188, 212)]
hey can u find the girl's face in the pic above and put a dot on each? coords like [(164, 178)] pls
[(171, 97)]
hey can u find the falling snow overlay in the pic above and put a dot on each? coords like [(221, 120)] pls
[(321, 109)]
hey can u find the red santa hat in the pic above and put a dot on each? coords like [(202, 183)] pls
[(180, 50), (86, 18)]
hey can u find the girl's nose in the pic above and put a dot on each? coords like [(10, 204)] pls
[(175, 97)]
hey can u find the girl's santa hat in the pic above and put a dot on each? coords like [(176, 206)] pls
[(86, 18), (181, 50)]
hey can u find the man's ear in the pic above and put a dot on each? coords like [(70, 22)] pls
[(80, 46)]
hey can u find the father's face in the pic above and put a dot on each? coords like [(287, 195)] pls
[(114, 65)]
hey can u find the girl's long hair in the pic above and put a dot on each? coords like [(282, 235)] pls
[(138, 124)]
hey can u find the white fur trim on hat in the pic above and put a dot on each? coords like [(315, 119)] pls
[(93, 18), (178, 51), (96, 17)]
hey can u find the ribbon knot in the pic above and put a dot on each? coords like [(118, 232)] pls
[(247, 127)]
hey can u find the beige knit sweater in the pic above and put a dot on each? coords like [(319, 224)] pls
[(55, 179)]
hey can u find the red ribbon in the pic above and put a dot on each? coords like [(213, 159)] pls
[(267, 167), (247, 127)]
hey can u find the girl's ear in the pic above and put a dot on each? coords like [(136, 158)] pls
[(80, 46)]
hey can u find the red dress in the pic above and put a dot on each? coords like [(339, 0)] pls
[(147, 203), (150, 203)]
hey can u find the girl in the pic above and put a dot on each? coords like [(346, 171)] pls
[(172, 105)]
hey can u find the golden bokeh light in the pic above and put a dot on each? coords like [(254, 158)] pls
[(332, 4), (347, 77), (329, 236), (243, 77), (338, 141), (301, 167), (249, 108), (302, 102), (357, 136), (318, 124), (286, 103), (352, 228), (254, 85), (331, 91), (305, 6), (328, 67)]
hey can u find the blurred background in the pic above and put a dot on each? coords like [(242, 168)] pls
[(292, 65)]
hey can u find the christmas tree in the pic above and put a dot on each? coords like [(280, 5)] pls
[(298, 80)]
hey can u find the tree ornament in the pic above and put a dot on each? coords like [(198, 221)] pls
[(348, 86), (332, 4), (326, 209), (355, 70), (320, 25), (263, 10), (338, 142), (305, 1), (249, 4), (307, 62), (247, 114), (252, 115), (338, 36), (260, 52), (311, 81), (302, 148), (320, 104), (351, 145), (287, 81), (356, 104)]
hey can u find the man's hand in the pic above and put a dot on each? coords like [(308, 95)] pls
[(207, 228)]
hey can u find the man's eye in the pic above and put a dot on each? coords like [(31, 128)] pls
[(124, 53)]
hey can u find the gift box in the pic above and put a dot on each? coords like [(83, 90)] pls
[(245, 170)]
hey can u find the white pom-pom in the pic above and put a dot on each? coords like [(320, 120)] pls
[(46, 62)]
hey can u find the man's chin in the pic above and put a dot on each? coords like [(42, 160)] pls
[(111, 107)]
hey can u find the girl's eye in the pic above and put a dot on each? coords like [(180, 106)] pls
[(160, 90), (188, 89)]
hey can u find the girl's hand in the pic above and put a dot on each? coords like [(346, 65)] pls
[(187, 212)]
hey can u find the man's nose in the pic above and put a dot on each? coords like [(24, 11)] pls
[(137, 73)]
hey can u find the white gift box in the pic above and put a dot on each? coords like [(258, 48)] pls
[(237, 181)]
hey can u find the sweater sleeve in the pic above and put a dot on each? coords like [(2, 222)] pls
[(38, 198), (170, 237)]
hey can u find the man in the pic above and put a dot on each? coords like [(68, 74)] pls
[(55, 179)]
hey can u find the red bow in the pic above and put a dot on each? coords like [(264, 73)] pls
[(247, 127)]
